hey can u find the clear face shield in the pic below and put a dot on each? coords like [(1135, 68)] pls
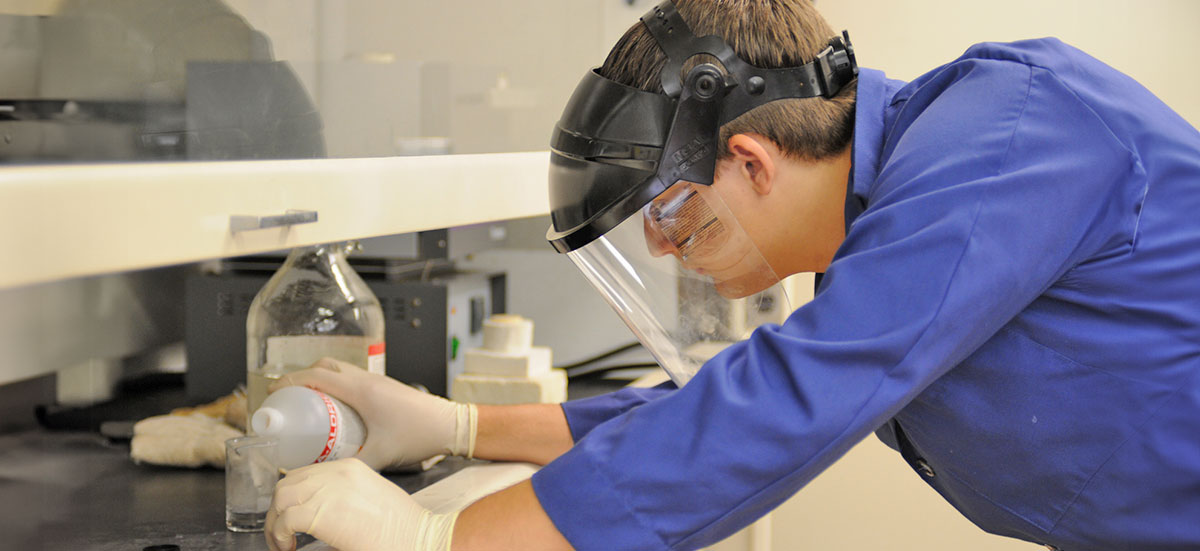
[(684, 277), (632, 203)]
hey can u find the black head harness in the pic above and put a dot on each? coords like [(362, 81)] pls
[(616, 147)]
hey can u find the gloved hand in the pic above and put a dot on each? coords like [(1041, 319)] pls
[(352, 508), (404, 425)]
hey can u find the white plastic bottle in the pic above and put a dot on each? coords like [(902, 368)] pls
[(312, 427)]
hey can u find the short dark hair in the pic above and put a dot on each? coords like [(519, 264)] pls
[(766, 34)]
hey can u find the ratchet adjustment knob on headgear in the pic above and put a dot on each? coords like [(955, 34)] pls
[(707, 82)]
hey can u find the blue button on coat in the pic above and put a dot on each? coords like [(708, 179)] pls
[(1016, 307)]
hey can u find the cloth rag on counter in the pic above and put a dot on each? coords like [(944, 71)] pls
[(190, 437)]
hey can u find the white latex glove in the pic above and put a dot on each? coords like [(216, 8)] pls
[(352, 508), (404, 425)]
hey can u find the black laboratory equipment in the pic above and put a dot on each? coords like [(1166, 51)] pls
[(433, 312)]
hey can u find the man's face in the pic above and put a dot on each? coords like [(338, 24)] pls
[(692, 223)]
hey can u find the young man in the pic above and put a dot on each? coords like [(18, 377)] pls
[(1011, 300)]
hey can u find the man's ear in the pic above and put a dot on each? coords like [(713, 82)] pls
[(752, 161)]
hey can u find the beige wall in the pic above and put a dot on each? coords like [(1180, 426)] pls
[(1154, 41), (29, 7)]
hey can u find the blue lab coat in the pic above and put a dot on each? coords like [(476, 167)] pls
[(1016, 309)]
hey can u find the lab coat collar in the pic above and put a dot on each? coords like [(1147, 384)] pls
[(875, 93)]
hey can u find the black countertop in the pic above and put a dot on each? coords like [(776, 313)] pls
[(77, 490)]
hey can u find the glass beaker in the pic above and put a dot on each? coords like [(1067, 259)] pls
[(251, 471)]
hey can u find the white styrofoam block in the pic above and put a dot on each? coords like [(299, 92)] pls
[(550, 388), (533, 363), (507, 333)]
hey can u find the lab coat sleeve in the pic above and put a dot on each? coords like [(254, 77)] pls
[(584, 414), (997, 185)]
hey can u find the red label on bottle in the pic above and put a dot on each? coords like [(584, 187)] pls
[(331, 440), (375, 349)]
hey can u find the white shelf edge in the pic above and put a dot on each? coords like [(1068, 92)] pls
[(66, 221)]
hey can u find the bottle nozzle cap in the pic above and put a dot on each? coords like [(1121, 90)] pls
[(267, 421)]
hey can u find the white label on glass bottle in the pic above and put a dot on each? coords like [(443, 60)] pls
[(376, 359), (298, 352)]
